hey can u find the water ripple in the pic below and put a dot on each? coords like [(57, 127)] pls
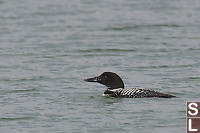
[(166, 66), (35, 78), (18, 91), (22, 90), (106, 50), (141, 26), (15, 118)]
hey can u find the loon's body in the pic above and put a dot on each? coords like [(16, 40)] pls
[(134, 93), (116, 87)]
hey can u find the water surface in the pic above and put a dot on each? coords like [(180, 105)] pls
[(48, 47)]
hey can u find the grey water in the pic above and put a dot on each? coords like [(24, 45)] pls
[(48, 47)]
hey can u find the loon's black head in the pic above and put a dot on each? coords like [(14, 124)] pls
[(109, 79)]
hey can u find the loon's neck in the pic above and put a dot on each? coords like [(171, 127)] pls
[(112, 92)]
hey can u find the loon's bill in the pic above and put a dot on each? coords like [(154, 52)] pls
[(116, 87)]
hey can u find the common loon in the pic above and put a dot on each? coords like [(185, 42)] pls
[(116, 87)]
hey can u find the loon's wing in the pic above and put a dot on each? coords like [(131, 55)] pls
[(142, 93)]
